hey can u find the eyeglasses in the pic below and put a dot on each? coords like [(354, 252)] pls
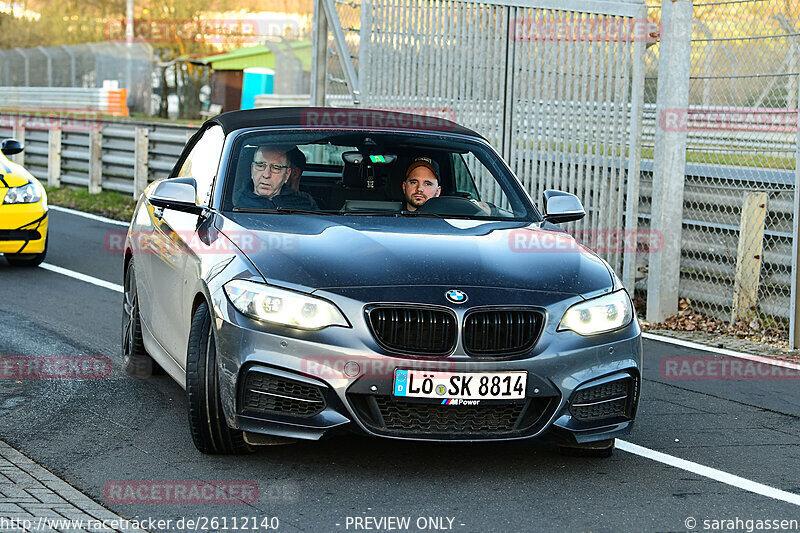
[(273, 167)]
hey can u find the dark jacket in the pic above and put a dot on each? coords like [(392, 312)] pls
[(288, 198)]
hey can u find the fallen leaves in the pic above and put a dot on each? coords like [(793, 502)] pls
[(688, 319)]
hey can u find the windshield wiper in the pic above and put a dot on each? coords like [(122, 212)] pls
[(289, 210), (377, 212), (281, 211), (437, 215)]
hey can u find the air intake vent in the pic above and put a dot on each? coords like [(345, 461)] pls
[(413, 330), (612, 399), (266, 393), (20, 235), (458, 420), (386, 415), (501, 332)]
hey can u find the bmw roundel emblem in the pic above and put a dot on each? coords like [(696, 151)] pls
[(456, 296)]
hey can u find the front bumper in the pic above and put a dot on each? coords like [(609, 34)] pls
[(23, 228), (339, 380)]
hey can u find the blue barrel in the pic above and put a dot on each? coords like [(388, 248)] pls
[(257, 80)]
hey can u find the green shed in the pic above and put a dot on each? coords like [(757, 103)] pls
[(228, 68)]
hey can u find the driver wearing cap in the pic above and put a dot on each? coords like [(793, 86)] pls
[(421, 183)]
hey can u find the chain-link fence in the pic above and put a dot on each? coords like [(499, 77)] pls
[(741, 126), (85, 65)]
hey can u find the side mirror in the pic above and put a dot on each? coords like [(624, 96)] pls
[(561, 207), (11, 147), (179, 194)]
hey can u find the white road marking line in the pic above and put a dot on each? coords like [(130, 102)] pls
[(722, 351), (712, 473), (82, 277), (88, 215)]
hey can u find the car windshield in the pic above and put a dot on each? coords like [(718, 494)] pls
[(371, 173)]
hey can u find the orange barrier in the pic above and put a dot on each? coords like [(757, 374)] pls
[(117, 102)]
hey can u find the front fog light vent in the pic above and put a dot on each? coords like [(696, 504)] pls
[(609, 400), (266, 393)]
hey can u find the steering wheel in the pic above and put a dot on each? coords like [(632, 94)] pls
[(451, 205)]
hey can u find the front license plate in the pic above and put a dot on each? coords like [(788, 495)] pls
[(460, 385)]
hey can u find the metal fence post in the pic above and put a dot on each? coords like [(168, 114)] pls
[(634, 152), (669, 161), (54, 157), (794, 309), (319, 54), (140, 170), (95, 161), (19, 134)]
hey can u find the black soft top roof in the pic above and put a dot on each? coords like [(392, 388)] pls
[(336, 118)]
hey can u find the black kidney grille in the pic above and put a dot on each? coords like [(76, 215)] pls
[(608, 400), (445, 419), (500, 332), (272, 394), (414, 330)]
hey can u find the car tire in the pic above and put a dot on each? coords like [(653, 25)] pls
[(603, 448), (135, 360), (210, 432), (27, 260)]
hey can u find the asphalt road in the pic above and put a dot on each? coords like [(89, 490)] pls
[(91, 432)]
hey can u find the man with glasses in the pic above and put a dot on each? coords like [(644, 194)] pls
[(270, 171)]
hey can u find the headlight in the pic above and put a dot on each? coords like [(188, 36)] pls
[(599, 315), (27, 194), (279, 306)]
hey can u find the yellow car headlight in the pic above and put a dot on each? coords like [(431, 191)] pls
[(26, 194)]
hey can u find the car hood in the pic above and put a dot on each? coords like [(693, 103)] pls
[(13, 175), (311, 252)]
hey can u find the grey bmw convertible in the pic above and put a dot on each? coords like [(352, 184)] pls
[(305, 272)]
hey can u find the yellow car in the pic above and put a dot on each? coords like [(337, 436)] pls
[(23, 211)]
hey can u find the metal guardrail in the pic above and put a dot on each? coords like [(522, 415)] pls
[(282, 100), (766, 130), (711, 229), (117, 154), (65, 99), (300, 100), (711, 233)]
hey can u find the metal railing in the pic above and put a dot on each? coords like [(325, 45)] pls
[(99, 154)]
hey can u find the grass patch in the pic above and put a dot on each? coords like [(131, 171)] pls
[(740, 159), (732, 158), (109, 204)]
